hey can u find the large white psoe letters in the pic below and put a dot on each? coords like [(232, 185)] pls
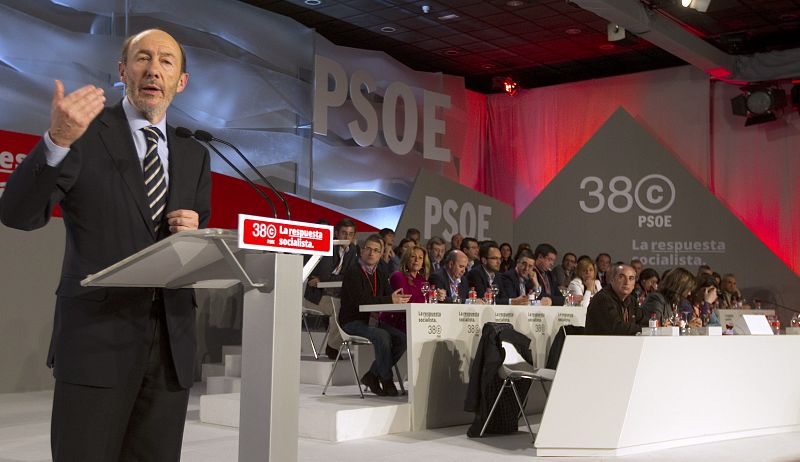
[(332, 88), (464, 218)]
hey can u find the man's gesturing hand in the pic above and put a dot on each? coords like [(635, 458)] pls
[(71, 115)]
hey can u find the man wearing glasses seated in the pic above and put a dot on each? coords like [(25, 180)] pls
[(366, 284), (516, 283), (482, 276)]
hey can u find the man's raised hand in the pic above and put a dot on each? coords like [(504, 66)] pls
[(71, 115)]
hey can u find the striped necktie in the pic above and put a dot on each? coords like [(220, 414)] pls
[(155, 185)]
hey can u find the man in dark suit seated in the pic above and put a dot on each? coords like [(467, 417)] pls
[(449, 281), (482, 276), (366, 284), (329, 269), (544, 258), (122, 357), (516, 282), (471, 249)]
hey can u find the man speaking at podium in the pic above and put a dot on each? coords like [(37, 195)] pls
[(122, 357)]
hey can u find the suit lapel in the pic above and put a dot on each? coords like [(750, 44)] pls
[(118, 141), (177, 163)]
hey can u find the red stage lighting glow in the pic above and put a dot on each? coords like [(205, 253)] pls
[(510, 86)]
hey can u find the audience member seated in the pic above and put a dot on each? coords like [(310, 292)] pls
[(717, 279), (329, 269), (365, 284), (470, 247), (482, 276), (544, 260), (585, 284), (602, 264), (699, 308), (387, 234), (676, 286), (506, 262), (613, 310), (455, 241), (704, 270), (637, 265), (565, 272), (730, 296), (413, 234), (436, 248), (647, 283), (404, 245), (451, 285), (516, 283), (414, 272), (520, 248)]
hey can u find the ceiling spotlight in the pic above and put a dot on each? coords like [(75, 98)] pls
[(510, 86), (759, 104), (504, 83), (388, 29), (699, 5)]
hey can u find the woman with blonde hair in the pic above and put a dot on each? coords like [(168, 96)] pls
[(585, 283), (413, 273)]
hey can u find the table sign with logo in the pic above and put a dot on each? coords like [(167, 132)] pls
[(276, 235)]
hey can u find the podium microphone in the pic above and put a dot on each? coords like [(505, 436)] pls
[(203, 135), (184, 132)]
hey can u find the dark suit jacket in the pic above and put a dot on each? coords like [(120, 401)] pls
[(357, 290), (97, 331), (478, 279), (442, 281), (554, 294), (606, 314), (508, 283), (324, 271)]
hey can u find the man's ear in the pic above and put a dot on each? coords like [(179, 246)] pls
[(182, 81), (121, 71)]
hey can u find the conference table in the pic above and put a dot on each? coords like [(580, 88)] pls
[(611, 395), (442, 341), (624, 395)]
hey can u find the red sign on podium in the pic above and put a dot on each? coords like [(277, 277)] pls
[(275, 235)]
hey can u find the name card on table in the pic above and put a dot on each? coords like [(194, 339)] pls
[(729, 317), (752, 324), (275, 235)]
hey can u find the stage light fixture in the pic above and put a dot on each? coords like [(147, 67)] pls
[(615, 32), (510, 86), (759, 104)]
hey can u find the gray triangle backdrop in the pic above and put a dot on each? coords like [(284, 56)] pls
[(622, 180)]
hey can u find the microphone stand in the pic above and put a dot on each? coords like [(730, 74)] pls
[(186, 133), (202, 134), (764, 302)]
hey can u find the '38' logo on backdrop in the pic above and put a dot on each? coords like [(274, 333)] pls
[(652, 194)]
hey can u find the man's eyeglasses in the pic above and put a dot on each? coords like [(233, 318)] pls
[(372, 250)]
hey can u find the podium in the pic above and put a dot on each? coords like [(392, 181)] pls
[(211, 258)]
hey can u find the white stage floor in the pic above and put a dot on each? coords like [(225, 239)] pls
[(25, 428)]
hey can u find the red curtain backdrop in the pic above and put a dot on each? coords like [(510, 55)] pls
[(752, 170)]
